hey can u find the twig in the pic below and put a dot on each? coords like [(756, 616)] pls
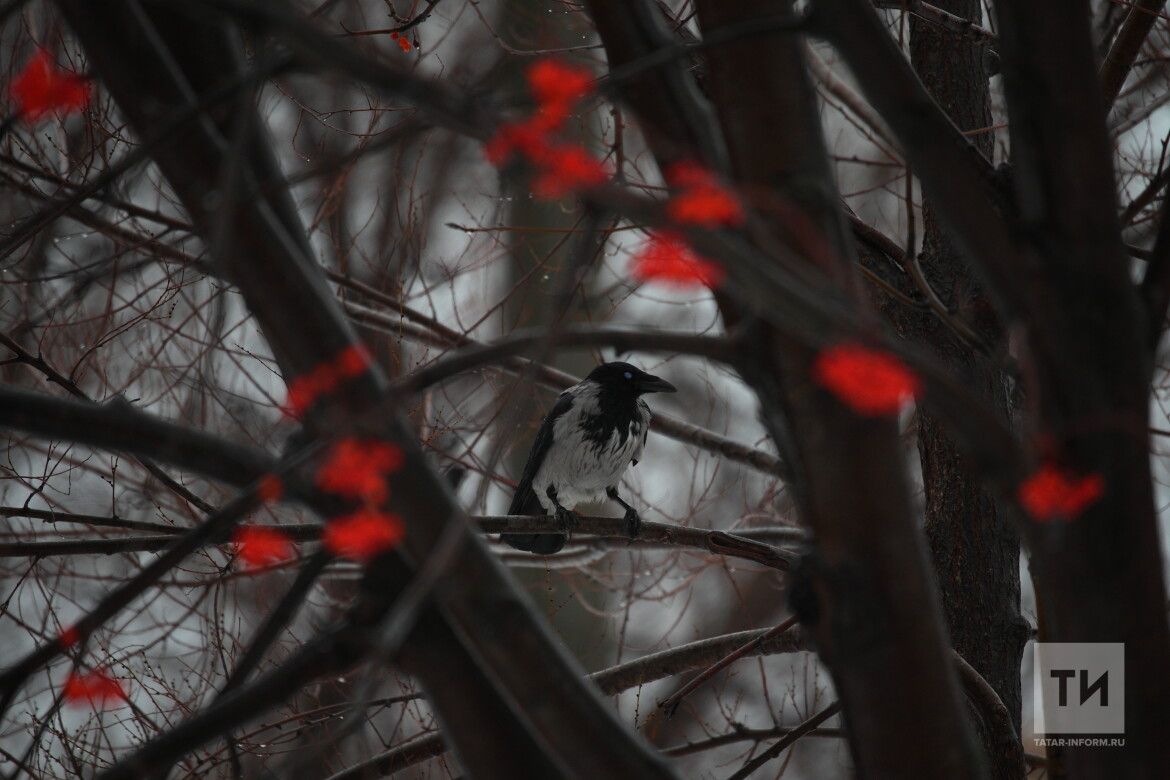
[(268, 633), (623, 339), (743, 734), (664, 424), (845, 93), (414, 21), (51, 517), (38, 363), (787, 740), (670, 703), (177, 548)]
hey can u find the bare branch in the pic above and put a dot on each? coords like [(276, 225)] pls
[(959, 181), (610, 531), (959, 26), (787, 741), (1126, 46), (614, 680)]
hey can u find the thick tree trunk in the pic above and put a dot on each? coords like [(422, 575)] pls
[(975, 548), (1100, 576), (866, 593), (760, 87)]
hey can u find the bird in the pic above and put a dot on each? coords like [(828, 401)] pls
[(593, 433)]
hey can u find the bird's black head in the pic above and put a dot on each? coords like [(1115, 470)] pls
[(622, 377)]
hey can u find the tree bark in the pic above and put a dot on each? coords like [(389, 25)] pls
[(867, 596), (974, 546), (1099, 576)]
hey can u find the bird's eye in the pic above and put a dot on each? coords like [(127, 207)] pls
[(628, 375)]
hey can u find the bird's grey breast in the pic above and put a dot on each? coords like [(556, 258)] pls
[(593, 446)]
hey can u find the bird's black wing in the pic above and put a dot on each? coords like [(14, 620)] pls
[(524, 500), (525, 496)]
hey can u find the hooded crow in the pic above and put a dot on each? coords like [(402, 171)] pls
[(594, 431)]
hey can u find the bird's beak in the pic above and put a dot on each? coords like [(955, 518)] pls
[(652, 384)]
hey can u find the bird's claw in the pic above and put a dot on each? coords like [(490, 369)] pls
[(633, 523), (566, 518)]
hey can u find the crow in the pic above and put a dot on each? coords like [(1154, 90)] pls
[(594, 431)]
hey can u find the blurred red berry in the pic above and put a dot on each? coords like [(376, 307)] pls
[(553, 82), (703, 200), (871, 382), (353, 361), (357, 469), (1053, 493), (97, 688), (299, 398), (667, 258), (306, 389), (687, 174), (262, 546), (528, 139), (69, 637), (269, 488), (363, 535), (708, 206), (565, 169), (40, 89), (560, 168)]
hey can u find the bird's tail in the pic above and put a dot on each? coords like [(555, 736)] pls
[(524, 502)]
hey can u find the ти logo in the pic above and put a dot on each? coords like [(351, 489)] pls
[(1078, 688), (1087, 690)]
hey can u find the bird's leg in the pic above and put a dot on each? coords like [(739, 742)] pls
[(566, 518), (633, 521)]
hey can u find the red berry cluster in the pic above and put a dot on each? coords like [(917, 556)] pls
[(306, 389), (871, 382), (1055, 493), (41, 89), (700, 200), (561, 167), (96, 688), (356, 469), (403, 43)]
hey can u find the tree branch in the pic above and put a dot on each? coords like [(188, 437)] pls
[(607, 530), (893, 659), (670, 704), (1126, 46), (611, 681), (558, 380), (740, 733), (1088, 335), (621, 339), (1155, 287), (119, 426), (955, 177), (960, 26), (38, 363), (52, 517), (215, 527), (787, 741)]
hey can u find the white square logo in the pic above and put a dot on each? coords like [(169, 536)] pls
[(1078, 687)]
